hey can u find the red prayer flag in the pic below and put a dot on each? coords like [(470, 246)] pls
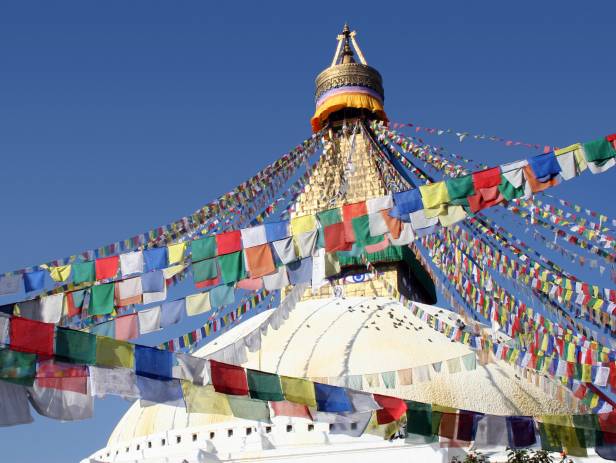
[(72, 310), (228, 242), (335, 238), (63, 376), (349, 212), (31, 336), (260, 260), (487, 178), (285, 408), (228, 379), (392, 408), (612, 139), (106, 267)]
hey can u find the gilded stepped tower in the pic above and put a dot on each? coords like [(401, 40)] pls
[(348, 96)]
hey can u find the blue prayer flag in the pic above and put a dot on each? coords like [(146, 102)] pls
[(332, 398)]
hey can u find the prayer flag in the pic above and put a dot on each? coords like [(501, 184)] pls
[(131, 263), (303, 224), (193, 369), (259, 260), (332, 399), (285, 250), (128, 292), (175, 253), (204, 248), (291, 409), (276, 231), (153, 363), (101, 301), (205, 270), (33, 281), (253, 236), (544, 166), (158, 391), (17, 367), (204, 399), (155, 259), (222, 295), (149, 320), (75, 346), (60, 273), (264, 386), (228, 379), (298, 390), (232, 267), (126, 327), (349, 212), (31, 336), (113, 353), (197, 303), (172, 312), (406, 202), (381, 203), (249, 409), (329, 217), (521, 431), (434, 197), (392, 408), (229, 242), (107, 267), (83, 272)]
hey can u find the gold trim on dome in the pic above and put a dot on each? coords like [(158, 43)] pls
[(354, 74)]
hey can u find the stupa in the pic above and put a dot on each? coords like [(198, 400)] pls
[(346, 334)]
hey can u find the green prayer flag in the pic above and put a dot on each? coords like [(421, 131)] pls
[(249, 409), (75, 346), (459, 189), (389, 379), (419, 419), (113, 353), (361, 228), (17, 367), (102, 299), (205, 270), (264, 386), (588, 429), (205, 248), (329, 217), (232, 267), (510, 192), (599, 151), (83, 272)]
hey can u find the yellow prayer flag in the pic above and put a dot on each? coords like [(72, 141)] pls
[(113, 353), (175, 253), (586, 373), (197, 303), (60, 273), (298, 390), (204, 399), (434, 194), (303, 224), (173, 270)]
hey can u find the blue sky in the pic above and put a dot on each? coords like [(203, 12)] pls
[(117, 116)]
